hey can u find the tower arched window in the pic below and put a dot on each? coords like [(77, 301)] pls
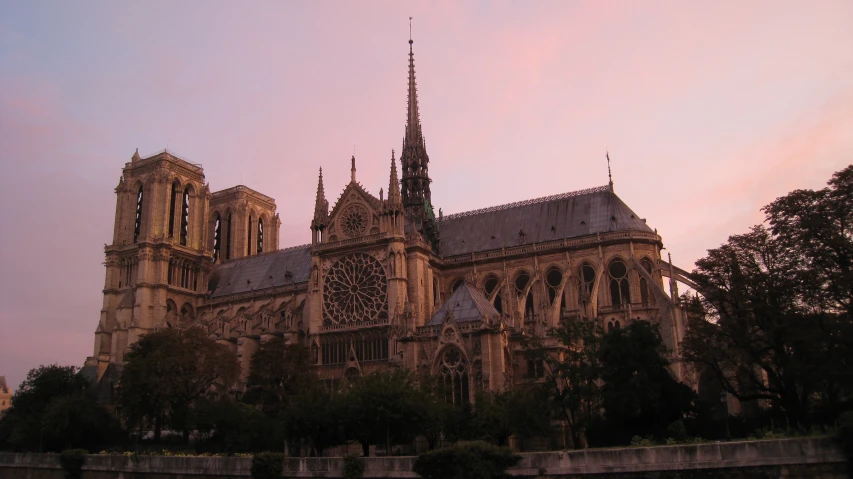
[(620, 293), (228, 237), (185, 216), (249, 237), (645, 294), (217, 237), (456, 284), (260, 235), (172, 203), (137, 225), (454, 371)]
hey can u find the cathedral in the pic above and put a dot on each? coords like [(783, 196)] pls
[(387, 281)]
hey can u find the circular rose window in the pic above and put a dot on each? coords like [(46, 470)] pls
[(354, 220), (355, 289)]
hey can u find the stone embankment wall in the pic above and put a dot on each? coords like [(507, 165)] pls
[(820, 458)]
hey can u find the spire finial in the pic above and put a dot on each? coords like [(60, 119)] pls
[(609, 175), (352, 170), (410, 31)]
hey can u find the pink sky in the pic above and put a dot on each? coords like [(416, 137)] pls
[(710, 110)]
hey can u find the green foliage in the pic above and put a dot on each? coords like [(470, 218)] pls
[(277, 372), (523, 412), (353, 467), (774, 322), (573, 377), (316, 415), (267, 465), (232, 427), (639, 395), (52, 410), (466, 460), (167, 371), (72, 461), (676, 430), (383, 407)]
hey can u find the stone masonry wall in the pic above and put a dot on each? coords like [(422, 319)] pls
[(820, 458)]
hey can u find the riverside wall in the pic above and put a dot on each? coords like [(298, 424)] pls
[(820, 458)]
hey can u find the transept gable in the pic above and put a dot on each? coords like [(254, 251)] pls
[(355, 214)]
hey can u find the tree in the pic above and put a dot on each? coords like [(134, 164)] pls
[(639, 395), (22, 424), (382, 407), (775, 316), (277, 372), (521, 411), (572, 376), (315, 415), (167, 371)]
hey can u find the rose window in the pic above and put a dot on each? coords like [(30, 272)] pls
[(355, 289), (354, 220)]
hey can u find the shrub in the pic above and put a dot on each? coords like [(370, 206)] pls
[(353, 467), (677, 430), (845, 434), (267, 465), (466, 460), (72, 461)]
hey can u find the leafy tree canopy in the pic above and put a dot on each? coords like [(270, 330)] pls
[(167, 371)]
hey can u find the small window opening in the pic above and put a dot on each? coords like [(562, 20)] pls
[(137, 226), (260, 235), (185, 216), (249, 238), (217, 238), (172, 210)]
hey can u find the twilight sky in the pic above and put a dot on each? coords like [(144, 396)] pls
[(710, 110)]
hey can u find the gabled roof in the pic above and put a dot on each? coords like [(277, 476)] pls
[(466, 304), (569, 215), (267, 270)]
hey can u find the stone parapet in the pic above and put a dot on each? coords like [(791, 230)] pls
[(800, 457)]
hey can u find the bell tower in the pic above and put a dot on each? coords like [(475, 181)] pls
[(158, 262)]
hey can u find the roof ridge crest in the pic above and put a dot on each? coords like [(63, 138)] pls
[(559, 196)]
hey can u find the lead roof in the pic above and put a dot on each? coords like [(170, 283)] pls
[(268, 270), (465, 304), (568, 215)]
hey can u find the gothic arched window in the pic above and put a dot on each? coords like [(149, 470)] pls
[(260, 235), (454, 371), (137, 225), (620, 294), (521, 282), (554, 278), (645, 295), (249, 237), (587, 277), (172, 204), (456, 284), (228, 237), (490, 286), (217, 237), (185, 216)]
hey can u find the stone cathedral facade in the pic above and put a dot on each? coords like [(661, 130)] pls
[(387, 281)]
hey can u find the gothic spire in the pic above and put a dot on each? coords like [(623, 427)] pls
[(394, 183), (414, 158), (321, 206)]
